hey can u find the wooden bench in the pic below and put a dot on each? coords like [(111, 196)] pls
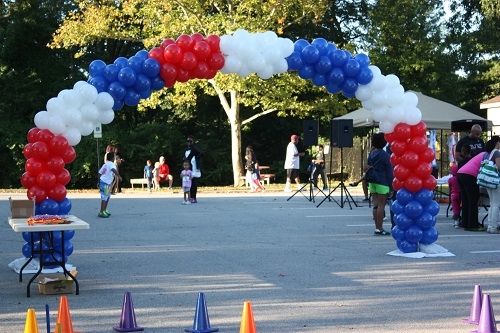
[(265, 178), (137, 181)]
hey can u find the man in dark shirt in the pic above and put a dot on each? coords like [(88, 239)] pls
[(473, 140)]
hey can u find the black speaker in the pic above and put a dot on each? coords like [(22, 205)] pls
[(342, 133), (465, 125), (311, 132)]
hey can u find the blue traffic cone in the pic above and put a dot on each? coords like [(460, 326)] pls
[(201, 322), (127, 320)]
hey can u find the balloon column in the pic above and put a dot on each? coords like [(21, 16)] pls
[(126, 81)]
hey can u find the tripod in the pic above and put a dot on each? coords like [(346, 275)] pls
[(341, 185), (311, 189)]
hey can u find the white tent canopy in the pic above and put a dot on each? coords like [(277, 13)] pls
[(435, 113)]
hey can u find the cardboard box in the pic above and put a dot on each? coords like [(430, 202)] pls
[(53, 284), (22, 208)]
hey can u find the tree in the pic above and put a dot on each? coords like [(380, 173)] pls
[(116, 26)]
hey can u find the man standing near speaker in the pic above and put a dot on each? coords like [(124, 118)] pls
[(292, 163), (473, 140)]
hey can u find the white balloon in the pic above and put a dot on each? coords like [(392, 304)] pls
[(232, 64), (56, 106), (89, 112), (392, 80), (395, 95), (397, 114), (79, 84), (42, 120), (257, 63), (241, 34), (413, 116), (244, 71), (62, 93), (72, 117), (73, 136), (266, 73), (379, 113), (57, 125), (379, 98), (106, 116), (377, 83), (227, 44), (86, 127), (386, 127), (72, 98), (368, 104), (88, 93), (280, 67), (272, 54), (286, 47), (410, 99), (375, 70), (104, 101), (363, 93)]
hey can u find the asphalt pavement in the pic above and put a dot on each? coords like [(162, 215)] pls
[(304, 268)]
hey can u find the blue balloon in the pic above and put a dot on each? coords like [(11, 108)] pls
[(57, 238), (295, 61), (118, 105), (111, 72), (306, 72), (117, 91), (338, 58), (99, 82), (319, 80), (403, 221), (68, 234), (323, 65), (157, 83), (364, 76), (397, 208), (127, 76), (397, 233), (143, 54), (424, 221), (322, 45), (135, 63), (121, 62), (348, 94), (424, 196), (407, 247), (68, 248), (27, 236), (432, 208), (363, 59), (55, 256), (142, 83), (413, 209), (145, 94), (64, 206), (429, 236), (351, 68), (26, 250), (96, 67), (331, 47), (336, 76), (348, 54), (310, 54), (332, 88), (300, 44), (349, 86), (132, 97), (49, 207), (413, 234), (151, 68), (403, 196)]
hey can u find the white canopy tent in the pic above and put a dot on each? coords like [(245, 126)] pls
[(435, 113)]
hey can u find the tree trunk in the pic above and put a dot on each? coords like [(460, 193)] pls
[(235, 121)]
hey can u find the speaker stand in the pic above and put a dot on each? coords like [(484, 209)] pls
[(311, 190), (343, 188)]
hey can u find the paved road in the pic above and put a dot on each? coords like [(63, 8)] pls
[(303, 268)]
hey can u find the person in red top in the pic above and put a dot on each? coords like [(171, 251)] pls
[(164, 173)]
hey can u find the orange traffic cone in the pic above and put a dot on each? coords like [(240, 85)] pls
[(64, 317), (247, 322), (31, 323)]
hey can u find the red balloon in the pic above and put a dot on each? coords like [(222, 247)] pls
[(214, 42), (168, 72), (57, 192), (44, 135), (28, 180), (55, 164), (185, 42), (419, 129), (63, 177), (173, 54), (157, 54), (182, 75), (402, 131), (32, 134), (166, 42), (429, 183), (188, 61), (38, 193), (69, 155), (401, 172), (46, 179), (211, 74), (169, 84), (27, 150), (34, 166), (409, 159), (413, 184), (389, 137), (202, 50), (40, 150), (418, 144), (58, 145), (427, 155), (423, 170), (215, 61), (397, 184), (398, 147), (395, 160), (197, 37), (201, 70)]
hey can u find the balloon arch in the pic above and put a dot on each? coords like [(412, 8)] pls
[(73, 113)]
